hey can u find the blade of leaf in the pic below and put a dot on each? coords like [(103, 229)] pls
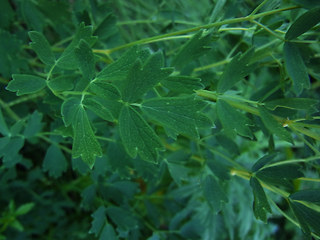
[(274, 126), (26, 84), (305, 22), (98, 109), (85, 144), (296, 68), (4, 130), (182, 84), (85, 59), (34, 125), (179, 114), (260, 205), (309, 195), (232, 120), (98, 221), (292, 103), (54, 162), (105, 90), (69, 110), (41, 46), (137, 136)]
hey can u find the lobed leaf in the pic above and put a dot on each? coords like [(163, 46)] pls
[(260, 205), (69, 110), (122, 218), (182, 84), (303, 23), (62, 83), (296, 68), (137, 136), (192, 49), (232, 120), (85, 60), (85, 144), (99, 109), (98, 221), (41, 46), (263, 161), (180, 114), (292, 103), (105, 90), (274, 126), (54, 162), (26, 84), (34, 125)]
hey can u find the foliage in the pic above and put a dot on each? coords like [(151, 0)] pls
[(159, 119)]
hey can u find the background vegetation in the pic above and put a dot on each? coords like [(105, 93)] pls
[(159, 119)]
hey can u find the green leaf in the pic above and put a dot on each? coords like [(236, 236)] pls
[(292, 103), (192, 49), (26, 84), (262, 162), (308, 3), (108, 233), (107, 28), (105, 90), (237, 69), (137, 136), (99, 220), (9, 150), (213, 193), (232, 120), (24, 209), (7, 13), (305, 22), (182, 84), (63, 83), (296, 68), (85, 144), (179, 114), (31, 15), (285, 172), (34, 125), (122, 218), (41, 46), (308, 195), (274, 126), (142, 78), (68, 60), (69, 109), (175, 163), (99, 109), (54, 162), (85, 59), (119, 69), (4, 130), (260, 205)]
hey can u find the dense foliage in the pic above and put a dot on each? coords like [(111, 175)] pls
[(159, 119)]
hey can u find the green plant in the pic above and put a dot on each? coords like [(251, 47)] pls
[(159, 119)]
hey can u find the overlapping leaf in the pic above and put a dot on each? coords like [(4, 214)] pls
[(41, 46), (85, 60), (182, 115), (182, 84)]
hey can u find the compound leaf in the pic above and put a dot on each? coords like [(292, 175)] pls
[(182, 84), (85, 144), (179, 114), (122, 218), (260, 205), (85, 59), (274, 126), (305, 22), (54, 162), (41, 46), (237, 69), (232, 120), (296, 68), (192, 49), (142, 78), (137, 136), (99, 220), (26, 84)]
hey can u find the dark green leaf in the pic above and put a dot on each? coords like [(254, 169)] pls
[(305, 22), (219, 169), (137, 136), (213, 193), (32, 16), (108, 233), (7, 13), (34, 125), (237, 69), (3, 126), (105, 90), (292, 103), (232, 120), (179, 114), (69, 110), (308, 195), (260, 205), (68, 59), (274, 126), (62, 83), (9, 149), (26, 84), (262, 162), (192, 49), (176, 167), (85, 144), (41, 46), (142, 78), (296, 68), (107, 28), (182, 84), (54, 162), (24, 209), (308, 3), (286, 172), (122, 218), (85, 59), (99, 109), (99, 220)]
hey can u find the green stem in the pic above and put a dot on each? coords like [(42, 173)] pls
[(292, 161), (11, 113), (26, 98)]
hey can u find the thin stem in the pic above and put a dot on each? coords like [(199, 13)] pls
[(258, 7), (292, 161), (11, 113), (216, 64), (267, 29), (25, 98), (67, 150)]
